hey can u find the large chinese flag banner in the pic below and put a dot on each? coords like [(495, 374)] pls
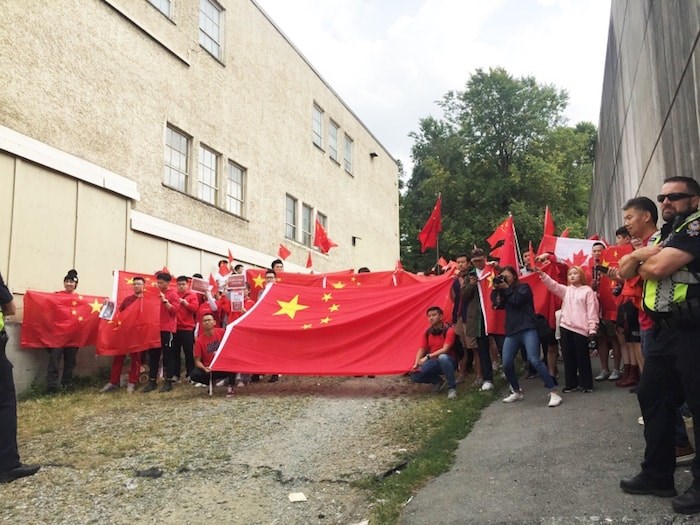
[(353, 330), (133, 329), (58, 320)]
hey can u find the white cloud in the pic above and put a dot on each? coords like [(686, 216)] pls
[(391, 60)]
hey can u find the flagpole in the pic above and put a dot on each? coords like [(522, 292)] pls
[(437, 241)]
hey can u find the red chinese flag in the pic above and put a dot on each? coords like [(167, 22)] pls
[(230, 256), (212, 282), (283, 252), (343, 331), (134, 329), (442, 262), (428, 236), (123, 284), (509, 250), (548, 222), (565, 233), (531, 255), (321, 239), (499, 234), (309, 262), (58, 320)]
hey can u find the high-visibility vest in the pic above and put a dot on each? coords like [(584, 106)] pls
[(2, 321), (660, 295)]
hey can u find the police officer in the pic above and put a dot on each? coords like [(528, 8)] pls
[(10, 466), (670, 268)]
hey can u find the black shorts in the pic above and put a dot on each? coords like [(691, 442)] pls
[(628, 320)]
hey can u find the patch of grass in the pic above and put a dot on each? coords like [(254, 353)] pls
[(435, 432)]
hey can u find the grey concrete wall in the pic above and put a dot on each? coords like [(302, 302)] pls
[(648, 127)]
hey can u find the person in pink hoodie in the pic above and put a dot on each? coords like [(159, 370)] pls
[(579, 324)]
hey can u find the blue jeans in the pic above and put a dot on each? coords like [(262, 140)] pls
[(432, 369), (531, 341)]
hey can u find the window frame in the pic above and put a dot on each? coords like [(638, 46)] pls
[(242, 184), (333, 129), (290, 228), (307, 224), (347, 153), (204, 149), (170, 167), (203, 33), (158, 3), (317, 136)]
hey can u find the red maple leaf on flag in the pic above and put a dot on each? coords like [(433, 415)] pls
[(578, 259)]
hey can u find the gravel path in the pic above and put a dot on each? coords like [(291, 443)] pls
[(223, 460)]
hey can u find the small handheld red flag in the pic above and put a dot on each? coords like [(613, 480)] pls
[(283, 252), (230, 256), (309, 262), (428, 236), (565, 233), (212, 282), (321, 239), (548, 222)]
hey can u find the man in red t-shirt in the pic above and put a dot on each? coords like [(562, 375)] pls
[(183, 341), (205, 347), (436, 357), (168, 323)]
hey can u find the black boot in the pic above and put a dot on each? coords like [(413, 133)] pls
[(150, 386), (688, 502), (642, 485), (167, 386)]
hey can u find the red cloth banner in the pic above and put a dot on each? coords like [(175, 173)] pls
[(428, 236), (346, 331), (58, 320), (133, 329)]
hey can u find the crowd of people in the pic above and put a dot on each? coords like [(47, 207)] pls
[(650, 334)]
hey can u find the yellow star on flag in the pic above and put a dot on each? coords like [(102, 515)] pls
[(259, 280), (74, 303), (339, 285), (334, 307), (306, 326), (290, 308), (326, 297), (353, 279), (129, 280), (74, 312), (96, 306), (325, 320), (80, 318), (80, 297)]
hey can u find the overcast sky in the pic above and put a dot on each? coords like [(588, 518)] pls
[(390, 60)]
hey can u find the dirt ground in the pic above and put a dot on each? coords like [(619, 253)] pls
[(232, 460)]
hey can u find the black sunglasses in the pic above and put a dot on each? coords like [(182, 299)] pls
[(673, 197)]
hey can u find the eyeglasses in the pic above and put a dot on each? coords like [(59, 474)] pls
[(673, 197)]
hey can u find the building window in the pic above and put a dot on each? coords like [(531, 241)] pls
[(290, 218), (307, 225), (322, 219), (177, 147), (210, 15), (333, 141), (162, 5), (235, 189), (317, 126), (348, 154), (208, 168)]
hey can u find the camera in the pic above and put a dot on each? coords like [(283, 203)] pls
[(617, 290), (499, 279), (471, 273)]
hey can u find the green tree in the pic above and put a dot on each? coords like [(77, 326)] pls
[(501, 146)]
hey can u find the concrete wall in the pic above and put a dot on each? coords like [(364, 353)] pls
[(649, 116), (87, 92)]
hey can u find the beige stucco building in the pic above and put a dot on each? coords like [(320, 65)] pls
[(141, 133)]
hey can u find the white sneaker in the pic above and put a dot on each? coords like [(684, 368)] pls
[(221, 382), (130, 387), (614, 375), (604, 374), (240, 384), (515, 396), (554, 399), (488, 385), (641, 420), (452, 393), (109, 387), (199, 385)]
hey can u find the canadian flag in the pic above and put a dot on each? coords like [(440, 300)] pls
[(570, 251)]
